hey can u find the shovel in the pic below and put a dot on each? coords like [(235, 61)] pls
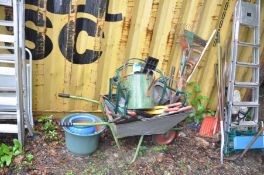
[(211, 124)]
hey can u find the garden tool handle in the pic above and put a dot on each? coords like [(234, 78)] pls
[(178, 104), (63, 95), (67, 124)]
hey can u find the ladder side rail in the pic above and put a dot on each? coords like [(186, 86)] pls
[(18, 67), (233, 62), (229, 74), (26, 97), (256, 56), (23, 58)]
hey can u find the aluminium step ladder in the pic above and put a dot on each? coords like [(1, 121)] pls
[(15, 74), (246, 15)]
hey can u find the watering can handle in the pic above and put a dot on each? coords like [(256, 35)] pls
[(151, 84), (64, 95)]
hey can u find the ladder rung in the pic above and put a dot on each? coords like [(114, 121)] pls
[(8, 115), (244, 124), (8, 102), (7, 38), (8, 128), (7, 71), (243, 64), (7, 57), (246, 84), (8, 89), (7, 75), (7, 61), (8, 108), (6, 23), (7, 47), (247, 44), (246, 104), (6, 2)]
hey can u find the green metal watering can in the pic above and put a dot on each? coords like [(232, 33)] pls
[(140, 90)]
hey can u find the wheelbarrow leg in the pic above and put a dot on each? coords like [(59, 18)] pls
[(114, 135), (137, 150)]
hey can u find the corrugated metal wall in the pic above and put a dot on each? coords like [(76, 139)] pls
[(78, 44)]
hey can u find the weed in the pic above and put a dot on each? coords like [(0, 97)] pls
[(94, 169), (29, 158), (51, 135), (48, 127), (160, 148), (47, 123), (45, 118), (198, 103), (7, 153), (58, 142), (183, 167), (69, 173), (142, 151)]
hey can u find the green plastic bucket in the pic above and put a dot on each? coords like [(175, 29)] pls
[(82, 144), (137, 86)]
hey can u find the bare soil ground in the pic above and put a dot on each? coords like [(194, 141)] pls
[(186, 155)]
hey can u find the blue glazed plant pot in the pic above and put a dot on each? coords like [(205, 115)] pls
[(82, 129)]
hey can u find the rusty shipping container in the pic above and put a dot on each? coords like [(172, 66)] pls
[(78, 44)]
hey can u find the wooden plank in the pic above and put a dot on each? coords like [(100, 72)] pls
[(188, 21), (176, 22), (207, 80), (140, 18), (209, 18), (108, 61), (209, 43), (208, 23), (127, 14), (161, 30)]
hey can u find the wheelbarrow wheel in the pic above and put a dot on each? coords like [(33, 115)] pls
[(164, 139)]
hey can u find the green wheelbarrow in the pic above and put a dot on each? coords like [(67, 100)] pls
[(161, 127)]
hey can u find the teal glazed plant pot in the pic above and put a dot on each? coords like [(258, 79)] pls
[(82, 143)]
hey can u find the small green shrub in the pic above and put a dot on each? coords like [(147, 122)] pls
[(45, 118), (29, 158), (52, 135), (7, 153), (47, 123), (48, 127), (197, 103)]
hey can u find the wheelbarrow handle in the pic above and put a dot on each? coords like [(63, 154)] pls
[(63, 95)]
